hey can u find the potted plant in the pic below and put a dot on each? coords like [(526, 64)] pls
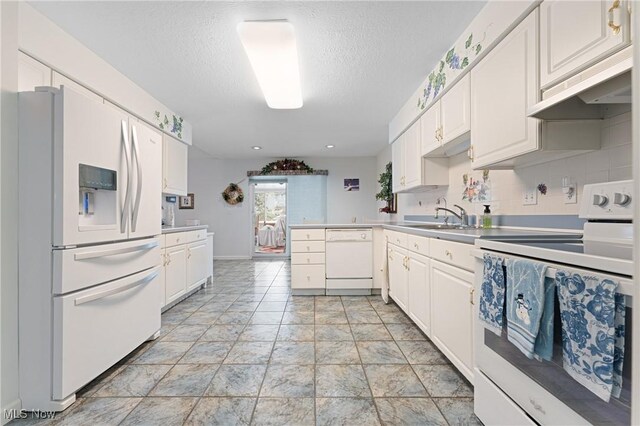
[(386, 190)]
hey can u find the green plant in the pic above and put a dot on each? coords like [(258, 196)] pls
[(386, 184)]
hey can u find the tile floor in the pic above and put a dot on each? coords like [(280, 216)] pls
[(243, 351)]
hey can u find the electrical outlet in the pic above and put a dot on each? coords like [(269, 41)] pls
[(530, 197), (570, 194)]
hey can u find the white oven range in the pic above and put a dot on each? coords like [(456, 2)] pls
[(513, 389)]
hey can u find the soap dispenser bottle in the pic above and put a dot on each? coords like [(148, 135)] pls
[(486, 217)]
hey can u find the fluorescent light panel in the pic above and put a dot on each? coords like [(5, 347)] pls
[(271, 48)]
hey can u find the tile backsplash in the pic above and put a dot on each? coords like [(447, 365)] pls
[(612, 162)]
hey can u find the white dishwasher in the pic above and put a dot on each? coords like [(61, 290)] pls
[(349, 261)]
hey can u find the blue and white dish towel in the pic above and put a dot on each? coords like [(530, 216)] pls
[(592, 331), (525, 303), (543, 349), (492, 293)]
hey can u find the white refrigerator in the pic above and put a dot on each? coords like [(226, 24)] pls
[(89, 255)]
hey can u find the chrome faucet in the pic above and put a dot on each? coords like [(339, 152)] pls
[(464, 218)]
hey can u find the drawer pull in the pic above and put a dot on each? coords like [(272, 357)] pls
[(308, 278), (416, 246), (448, 253), (308, 236), (113, 252), (103, 294), (308, 248)]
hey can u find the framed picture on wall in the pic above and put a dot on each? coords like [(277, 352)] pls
[(352, 184), (186, 202)]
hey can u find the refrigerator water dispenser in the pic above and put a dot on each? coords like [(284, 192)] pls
[(98, 200)]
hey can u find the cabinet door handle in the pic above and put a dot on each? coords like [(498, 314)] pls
[(471, 293), (470, 152), (188, 253), (408, 263), (615, 28), (165, 183)]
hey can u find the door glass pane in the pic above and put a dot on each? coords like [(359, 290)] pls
[(269, 217)]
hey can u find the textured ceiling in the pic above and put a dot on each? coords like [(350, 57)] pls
[(359, 63)]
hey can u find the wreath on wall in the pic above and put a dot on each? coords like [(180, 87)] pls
[(286, 165), (233, 194)]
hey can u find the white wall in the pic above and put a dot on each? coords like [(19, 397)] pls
[(209, 176), (612, 162), (9, 391)]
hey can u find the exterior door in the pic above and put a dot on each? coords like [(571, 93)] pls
[(145, 214), (93, 136)]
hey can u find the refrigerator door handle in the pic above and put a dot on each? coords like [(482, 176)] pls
[(113, 252), (136, 204), (125, 208), (102, 294)]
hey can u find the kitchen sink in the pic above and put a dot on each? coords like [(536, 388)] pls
[(437, 226)]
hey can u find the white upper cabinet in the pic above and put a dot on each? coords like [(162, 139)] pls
[(455, 111), (430, 125), (576, 34), (505, 85), (412, 172), (60, 80), (32, 73), (447, 122), (397, 169), (174, 166), (412, 157)]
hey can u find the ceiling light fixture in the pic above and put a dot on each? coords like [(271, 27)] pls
[(271, 48), (331, 146), (256, 147)]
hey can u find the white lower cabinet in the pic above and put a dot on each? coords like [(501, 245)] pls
[(308, 274), (175, 272), (186, 258), (398, 279), (196, 264), (432, 282), (419, 291), (451, 314)]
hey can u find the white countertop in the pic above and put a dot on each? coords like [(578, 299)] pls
[(172, 229), (467, 235)]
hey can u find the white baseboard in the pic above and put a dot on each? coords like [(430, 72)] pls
[(14, 405), (231, 257)]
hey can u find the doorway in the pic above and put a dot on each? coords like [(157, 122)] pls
[(269, 218)]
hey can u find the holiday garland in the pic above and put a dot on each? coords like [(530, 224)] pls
[(286, 165), (233, 194)]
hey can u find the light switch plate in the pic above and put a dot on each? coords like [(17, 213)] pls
[(530, 197)]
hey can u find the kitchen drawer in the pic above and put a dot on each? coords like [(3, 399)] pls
[(307, 258), (397, 238), (95, 328), (197, 235), (456, 254), (307, 276), (175, 238), (307, 247), (307, 234), (87, 266), (418, 244)]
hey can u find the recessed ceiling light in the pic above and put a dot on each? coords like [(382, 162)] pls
[(271, 48), (256, 147), (331, 146)]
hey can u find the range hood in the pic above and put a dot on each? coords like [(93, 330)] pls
[(584, 95)]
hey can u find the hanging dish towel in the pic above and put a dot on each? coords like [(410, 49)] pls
[(543, 349), (588, 314), (618, 352), (491, 304), (525, 302)]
